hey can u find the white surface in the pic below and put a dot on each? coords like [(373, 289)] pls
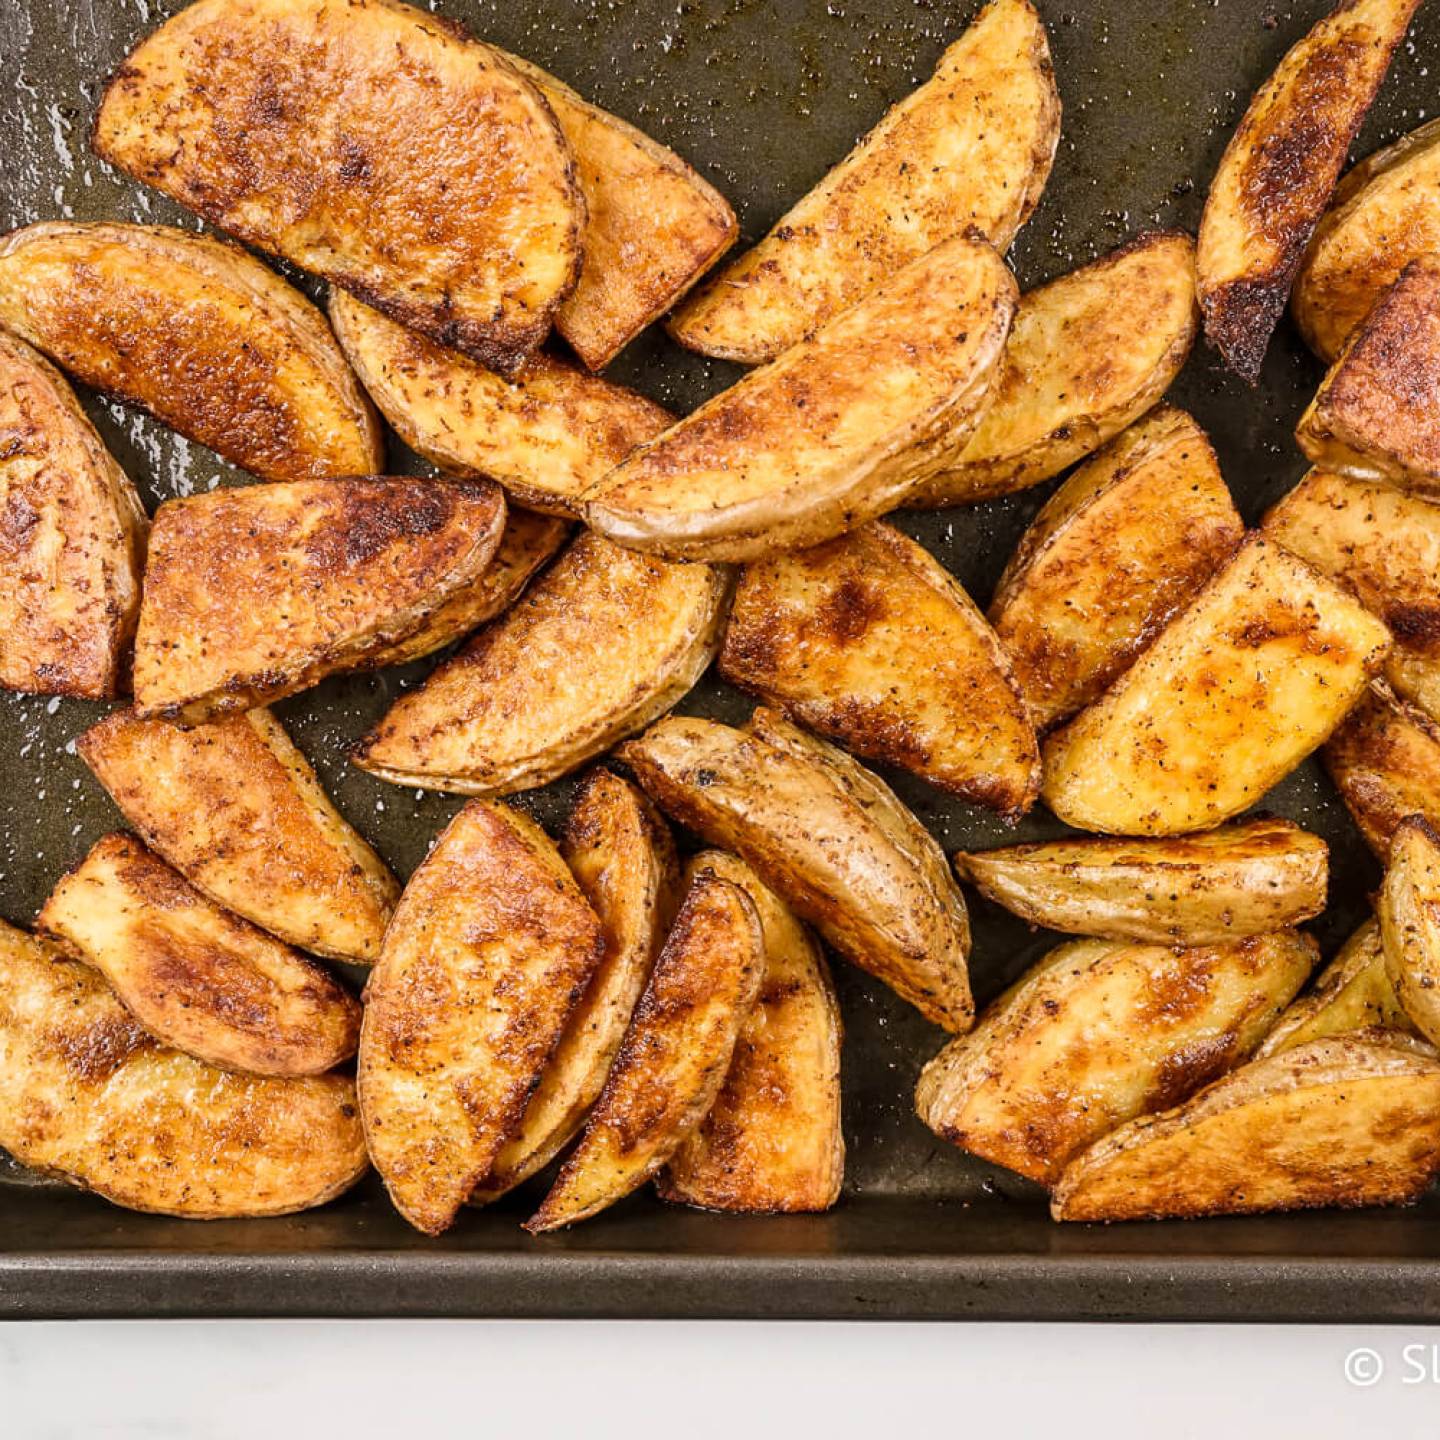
[(273, 1380)]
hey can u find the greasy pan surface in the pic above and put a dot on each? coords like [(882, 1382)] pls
[(762, 96)]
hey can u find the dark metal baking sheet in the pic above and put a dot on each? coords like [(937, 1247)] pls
[(763, 96)]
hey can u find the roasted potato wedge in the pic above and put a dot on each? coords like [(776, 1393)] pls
[(1088, 354), (369, 142), (88, 1096), (674, 1056), (198, 333), (772, 1141), (841, 428), (1099, 1032), (600, 645), (1279, 169), (1346, 1121), (622, 857), (72, 539), (546, 434), (971, 148), (490, 949), (1119, 549), (829, 838), (194, 975), (255, 593), (869, 640), (1409, 914), (1235, 693), (1247, 879)]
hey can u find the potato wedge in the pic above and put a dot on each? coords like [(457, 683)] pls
[(490, 949), (1279, 169), (600, 645), (829, 838), (1234, 694), (1099, 1032), (841, 428), (1088, 354), (198, 333), (1119, 550), (674, 1056), (546, 434), (87, 1096), (366, 141), (195, 976), (772, 1141), (1409, 914), (622, 857), (1346, 1121), (971, 148), (1248, 879), (869, 640), (72, 539), (255, 593)]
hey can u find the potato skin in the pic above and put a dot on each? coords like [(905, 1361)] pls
[(1099, 1032), (868, 640), (88, 1096), (1409, 913)]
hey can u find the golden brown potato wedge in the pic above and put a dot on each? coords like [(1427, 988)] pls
[(1409, 914), (1346, 1121), (490, 949), (1246, 879), (1234, 694), (1088, 354), (369, 142), (772, 1141), (869, 640), (255, 593), (622, 857), (839, 429), (235, 807), (602, 643), (546, 434), (72, 539), (198, 333), (1277, 173), (194, 975), (1119, 549), (674, 1056), (829, 838), (1099, 1032), (971, 148), (87, 1096)]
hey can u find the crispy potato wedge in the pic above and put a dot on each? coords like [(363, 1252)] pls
[(601, 644), (1346, 1121), (839, 429), (1088, 354), (1099, 1032), (1234, 694), (971, 148), (235, 807), (255, 593), (829, 838), (72, 539), (1279, 169), (772, 1141), (546, 434), (87, 1096), (622, 857), (1119, 550), (1247, 879), (674, 1056), (369, 142), (869, 640), (1409, 914), (198, 333), (490, 949), (194, 975)]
